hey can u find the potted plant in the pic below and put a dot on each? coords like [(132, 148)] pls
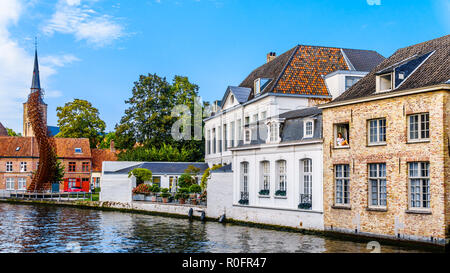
[(264, 192), (280, 193), (165, 195), (154, 190), (194, 190), (182, 195), (140, 192)]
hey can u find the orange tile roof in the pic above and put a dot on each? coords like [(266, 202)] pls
[(101, 155), (29, 148)]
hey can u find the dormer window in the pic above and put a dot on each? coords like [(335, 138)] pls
[(274, 131), (78, 151), (384, 83), (309, 128), (261, 84), (232, 99), (17, 149)]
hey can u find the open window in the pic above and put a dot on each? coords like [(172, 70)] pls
[(342, 135), (384, 82)]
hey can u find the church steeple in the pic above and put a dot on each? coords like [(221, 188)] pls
[(36, 83)]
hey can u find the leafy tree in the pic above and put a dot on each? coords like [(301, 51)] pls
[(185, 181), (166, 153), (59, 172), (207, 175), (12, 133), (148, 121), (141, 175), (106, 142), (79, 119)]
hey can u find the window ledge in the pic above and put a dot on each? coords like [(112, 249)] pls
[(376, 209), (377, 144), (341, 207), (426, 212), (280, 197), (418, 141), (341, 147), (264, 196)]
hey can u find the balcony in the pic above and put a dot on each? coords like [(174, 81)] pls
[(244, 198), (305, 202)]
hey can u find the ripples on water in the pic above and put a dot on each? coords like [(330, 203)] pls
[(55, 229)]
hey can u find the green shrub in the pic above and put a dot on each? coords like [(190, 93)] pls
[(185, 181), (207, 174), (195, 189), (182, 193), (141, 175), (165, 193)]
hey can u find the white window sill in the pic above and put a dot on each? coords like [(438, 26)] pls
[(342, 147), (280, 197), (264, 196), (418, 211), (414, 141), (377, 144)]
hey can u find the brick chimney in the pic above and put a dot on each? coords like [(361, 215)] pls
[(112, 146), (271, 56)]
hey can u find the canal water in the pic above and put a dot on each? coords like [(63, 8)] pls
[(45, 229)]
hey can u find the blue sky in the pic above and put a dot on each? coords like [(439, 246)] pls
[(96, 49)]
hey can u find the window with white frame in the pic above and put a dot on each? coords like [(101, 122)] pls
[(309, 128), (10, 184), (377, 185), (233, 134), (255, 118), (419, 127), (23, 167), (265, 178), (342, 182), (274, 132), (307, 176), (208, 147), (282, 178), (225, 137), (244, 184), (21, 183), (419, 185), (384, 83), (305, 201), (9, 167), (248, 136), (377, 131), (342, 135)]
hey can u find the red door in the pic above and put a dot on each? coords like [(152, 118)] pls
[(66, 184)]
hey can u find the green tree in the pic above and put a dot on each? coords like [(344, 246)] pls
[(148, 121), (106, 142), (60, 172), (12, 133), (79, 119), (141, 175)]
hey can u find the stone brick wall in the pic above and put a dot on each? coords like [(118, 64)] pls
[(447, 162), (396, 221)]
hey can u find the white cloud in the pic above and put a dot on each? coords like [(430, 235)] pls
[(76, 17), (16, 67)]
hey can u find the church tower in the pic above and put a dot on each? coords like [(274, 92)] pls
[(35, 87)]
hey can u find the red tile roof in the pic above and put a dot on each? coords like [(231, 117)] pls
[(300, 70), (28, 147), (101, 155)]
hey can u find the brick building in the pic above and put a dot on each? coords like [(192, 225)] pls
[(386, 149), (19, 158)]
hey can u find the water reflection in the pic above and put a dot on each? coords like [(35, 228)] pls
[(51, 229)]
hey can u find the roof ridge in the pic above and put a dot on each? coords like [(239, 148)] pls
[(343, 48), (426, 42)]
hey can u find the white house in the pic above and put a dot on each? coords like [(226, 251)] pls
[(270, 131), (117, 186)]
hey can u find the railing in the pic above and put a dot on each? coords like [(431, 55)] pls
[(244, 198), (305, 201), (46, 195), (197, 200)]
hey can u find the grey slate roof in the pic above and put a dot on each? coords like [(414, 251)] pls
[(160, 168), (292, 129), (363, 60), (225, 169), (435, 70), (241, 94)]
